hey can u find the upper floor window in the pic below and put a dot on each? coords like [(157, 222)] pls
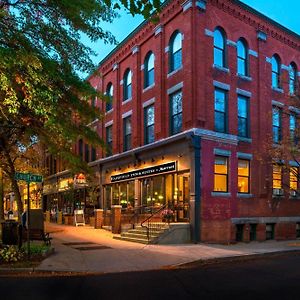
[(243, 116), (276, 71), (242, 58), (294, 175), (127, 87), (293, 125), (80, 148), (176, 112), (292, 78), (93, 153), (127, 133), (109, 140), (86, 152), (243, 176), (149, 118), (175, 51), (149, 70), (220, 110), (219, 47), (276, 119), (109, 95), (277, 177)]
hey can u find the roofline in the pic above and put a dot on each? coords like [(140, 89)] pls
[(237, 2), (266, 18)]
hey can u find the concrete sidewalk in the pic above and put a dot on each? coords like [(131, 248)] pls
[(105, 255)]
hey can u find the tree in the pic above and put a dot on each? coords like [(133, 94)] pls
[(41, 94)]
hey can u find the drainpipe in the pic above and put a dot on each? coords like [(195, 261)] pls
[(195, 189)]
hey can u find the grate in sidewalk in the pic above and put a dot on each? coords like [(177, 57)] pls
[(100, 247), (78, 243)]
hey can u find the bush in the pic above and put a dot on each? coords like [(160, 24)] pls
[(36, 249), (11, 254)]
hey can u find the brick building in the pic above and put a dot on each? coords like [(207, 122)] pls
[(192, 103)]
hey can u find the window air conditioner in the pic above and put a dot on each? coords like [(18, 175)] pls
[(293, 193), (278, 192)]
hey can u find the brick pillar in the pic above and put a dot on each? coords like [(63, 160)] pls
[(59, 218), (116, 218), (98, 218), (48, 216), (261, 232)]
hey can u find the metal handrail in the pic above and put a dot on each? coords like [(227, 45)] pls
[(135, 214), (149, 218)]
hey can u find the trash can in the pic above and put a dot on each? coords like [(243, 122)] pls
[(10, 232)]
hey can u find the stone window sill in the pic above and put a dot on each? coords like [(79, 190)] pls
[(223, 69), (221, 194)]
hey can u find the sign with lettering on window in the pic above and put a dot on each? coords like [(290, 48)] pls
[(151, 171)]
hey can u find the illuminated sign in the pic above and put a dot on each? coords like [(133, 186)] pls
[(165, 168)]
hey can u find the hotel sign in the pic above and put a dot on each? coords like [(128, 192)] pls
[(165, 168)]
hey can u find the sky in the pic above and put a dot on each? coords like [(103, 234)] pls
[(284, 12)]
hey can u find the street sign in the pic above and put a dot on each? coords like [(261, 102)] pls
[(28, 177)]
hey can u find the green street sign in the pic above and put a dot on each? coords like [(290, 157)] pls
[(28, 177)]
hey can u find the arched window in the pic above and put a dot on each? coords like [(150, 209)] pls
[(276, 67), (109, 94), (175, 51), (127, 88), (219, 47), (292, 78), (242, 57), (149, 70)]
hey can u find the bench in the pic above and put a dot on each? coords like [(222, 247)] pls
[(38, 235)]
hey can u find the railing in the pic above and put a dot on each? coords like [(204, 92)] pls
[(148, 220), (136, 212)]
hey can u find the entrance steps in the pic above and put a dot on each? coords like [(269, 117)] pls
[(139, 233), (159, 233)]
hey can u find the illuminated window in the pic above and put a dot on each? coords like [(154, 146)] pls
[(277, 177), (294, 178), (243, 176), (221, 174)]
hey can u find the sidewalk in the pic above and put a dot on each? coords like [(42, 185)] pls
[(102, 254)]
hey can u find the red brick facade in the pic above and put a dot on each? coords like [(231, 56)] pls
[(198, 78)]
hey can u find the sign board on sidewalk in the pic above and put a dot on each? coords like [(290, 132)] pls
[(79, 217)]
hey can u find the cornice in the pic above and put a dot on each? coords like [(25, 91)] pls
[(249, 16)]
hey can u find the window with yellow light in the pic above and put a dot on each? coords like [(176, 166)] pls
[(243, 176), (221, 174), (277, 177), (294, 178)]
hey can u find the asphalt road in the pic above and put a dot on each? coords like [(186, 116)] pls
[(271, 277)]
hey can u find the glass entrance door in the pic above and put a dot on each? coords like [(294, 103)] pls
[(182, 194)]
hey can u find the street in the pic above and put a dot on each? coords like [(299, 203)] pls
[(272, 277)]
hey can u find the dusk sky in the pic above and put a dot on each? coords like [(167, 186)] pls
[(284, 12)]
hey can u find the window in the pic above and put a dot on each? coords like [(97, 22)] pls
[(243, 176), (277, 177), (220, 110), (276, 66), (175, 51), (80, 148), (176, 112), (270, 229), (292, 78), (239, 232), (127, 133), (149, 70), (242, 58), (293, 125), (109, 140), (109, 95), (298, 230), (86, 152), (221, 174), (276, 125), (294, 173), (219, 48), (243, 116), (253, 232), (127, 88), (149, 124), (93, 154)]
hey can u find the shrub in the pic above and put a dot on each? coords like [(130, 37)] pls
[(11, 254)]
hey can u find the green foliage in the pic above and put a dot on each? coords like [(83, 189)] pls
[(11, 254), (36, 249)]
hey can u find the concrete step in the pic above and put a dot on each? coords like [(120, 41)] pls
[(138, 235), (128, 239)]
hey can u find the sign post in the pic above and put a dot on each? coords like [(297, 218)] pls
[(28, 177)]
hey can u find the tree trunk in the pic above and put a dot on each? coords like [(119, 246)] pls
[(1, 196), (18, 199)]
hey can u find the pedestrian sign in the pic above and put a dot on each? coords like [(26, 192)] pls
[(28, 177)]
